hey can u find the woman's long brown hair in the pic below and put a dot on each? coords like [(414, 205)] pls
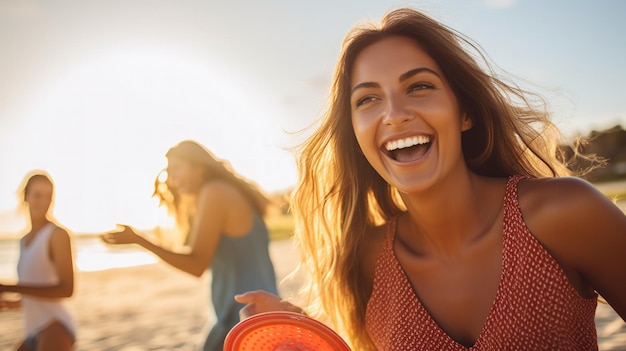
[(339, 195)]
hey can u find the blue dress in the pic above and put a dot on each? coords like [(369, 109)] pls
[(240, 264)]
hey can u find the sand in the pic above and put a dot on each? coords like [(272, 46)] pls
[(155, 307)]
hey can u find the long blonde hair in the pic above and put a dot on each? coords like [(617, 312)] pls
[(339, 195), (213, 168)]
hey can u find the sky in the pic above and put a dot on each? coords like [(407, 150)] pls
[(95, 92)]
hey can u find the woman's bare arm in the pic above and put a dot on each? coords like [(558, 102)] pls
[(205, 233), (586, 232)]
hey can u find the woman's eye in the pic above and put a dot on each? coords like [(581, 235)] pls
[(364, 100), (420, 86)]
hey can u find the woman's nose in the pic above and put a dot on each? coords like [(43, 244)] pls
[(397, 112)]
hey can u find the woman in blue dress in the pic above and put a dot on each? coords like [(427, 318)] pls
[(223, 214)]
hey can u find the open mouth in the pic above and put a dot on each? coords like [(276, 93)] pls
[(408, 149)]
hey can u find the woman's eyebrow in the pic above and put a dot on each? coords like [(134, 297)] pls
[(364, 85), (411, 73), (403, 77)]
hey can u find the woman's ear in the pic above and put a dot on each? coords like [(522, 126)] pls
[(466, 123)]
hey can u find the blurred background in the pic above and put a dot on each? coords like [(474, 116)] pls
[(95, 92)]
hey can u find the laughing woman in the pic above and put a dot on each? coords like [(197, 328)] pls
[(45, 273), (434, 212)]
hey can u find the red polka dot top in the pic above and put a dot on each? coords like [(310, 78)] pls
[(535, 308)]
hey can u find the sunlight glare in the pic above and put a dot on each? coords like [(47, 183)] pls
[(106, 125)]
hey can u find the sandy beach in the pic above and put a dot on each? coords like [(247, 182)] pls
[(155, 307)]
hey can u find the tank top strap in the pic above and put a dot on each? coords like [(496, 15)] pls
[(391, 231), (511, 201), (511, 185)]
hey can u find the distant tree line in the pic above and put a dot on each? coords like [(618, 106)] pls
[(609, 145)]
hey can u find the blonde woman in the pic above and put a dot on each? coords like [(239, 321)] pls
[(223, 214)]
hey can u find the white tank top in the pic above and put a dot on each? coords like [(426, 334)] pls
[(35, 268)]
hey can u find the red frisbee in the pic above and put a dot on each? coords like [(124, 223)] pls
[(283, 331)]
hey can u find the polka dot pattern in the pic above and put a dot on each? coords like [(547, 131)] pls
[(536, 307)]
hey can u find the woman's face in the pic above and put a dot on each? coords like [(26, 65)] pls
[(183, 176), (405, 116), (39, 198)]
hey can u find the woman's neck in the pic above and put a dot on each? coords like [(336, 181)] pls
[(450, 216), (38, 223)]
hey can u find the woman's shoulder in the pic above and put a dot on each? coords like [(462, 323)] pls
[(59, 233), (218, 189), (559, 196), (568, 215), (582, 229), (221, 201)]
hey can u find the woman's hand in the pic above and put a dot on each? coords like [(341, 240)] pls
[(124, 236), (260, 301)]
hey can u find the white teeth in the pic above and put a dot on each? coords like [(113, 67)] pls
[(407, 142)]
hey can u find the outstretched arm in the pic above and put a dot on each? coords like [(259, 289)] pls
[(205, 233), (60, 251)]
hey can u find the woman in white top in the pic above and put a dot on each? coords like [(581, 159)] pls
[(45, 272)]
